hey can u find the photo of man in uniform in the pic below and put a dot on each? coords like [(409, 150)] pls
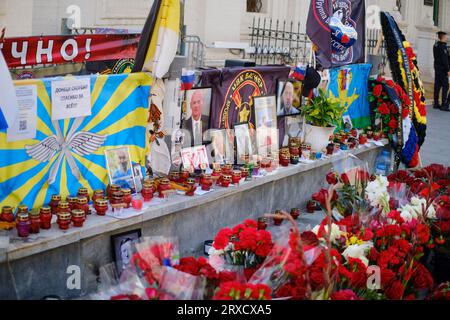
[(199, 108)]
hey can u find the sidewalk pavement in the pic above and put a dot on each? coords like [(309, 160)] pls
[(436, 148)]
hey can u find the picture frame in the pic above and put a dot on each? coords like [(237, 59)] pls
[(347, 123), (221, 147), (120, 168), (289, 98), (197, 111), (265, 109), (244, 143), (294, 127), (121, 245)]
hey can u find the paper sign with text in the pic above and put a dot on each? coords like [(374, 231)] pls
[(71, 99), (25, 124), (195, 157)]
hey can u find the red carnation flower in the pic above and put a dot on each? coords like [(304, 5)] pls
[(395, 291), (344, 295), (222, 239), (377, 90), (383, 109), (393, 124)]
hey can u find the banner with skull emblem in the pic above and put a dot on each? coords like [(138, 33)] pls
[(69, 154), (233, 90), (337, 28)]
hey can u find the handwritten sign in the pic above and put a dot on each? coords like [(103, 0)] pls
[(71, 99), (195, 157)]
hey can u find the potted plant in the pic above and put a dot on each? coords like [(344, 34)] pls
[(322, 115)]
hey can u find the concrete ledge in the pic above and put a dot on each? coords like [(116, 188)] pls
[(95, 225), (37, 267)]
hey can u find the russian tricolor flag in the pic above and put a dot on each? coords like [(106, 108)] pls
[(8, 100), (187, 79), (299, 73)]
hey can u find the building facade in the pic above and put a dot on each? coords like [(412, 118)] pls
[(218, 20)]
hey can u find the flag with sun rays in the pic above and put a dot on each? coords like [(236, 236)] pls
[(69, 154), (349, 84)]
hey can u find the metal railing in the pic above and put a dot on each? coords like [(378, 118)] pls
[(194, 49), (278, 42)]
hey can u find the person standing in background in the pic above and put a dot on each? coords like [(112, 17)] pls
[(442, 71)]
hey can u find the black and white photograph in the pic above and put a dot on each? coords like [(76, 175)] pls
[(122, 245)]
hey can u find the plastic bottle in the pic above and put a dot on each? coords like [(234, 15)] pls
[(386, 153), (383, 163)]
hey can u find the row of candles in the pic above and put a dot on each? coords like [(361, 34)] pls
[(75, 209)]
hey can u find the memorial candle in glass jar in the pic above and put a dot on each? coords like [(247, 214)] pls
[(191, 187), (78, 218), (82, 204), (117, 201), (7, 214), (54, 203), (184, 175), (98, 194), (295, 213), (64, 219), (101, 206), (23, 223), (206, 182), (127, 198), (112, 189), (278, 219), (46, 218), (236, 177), (72, 202), (148, 190), (164, 185), (35, 222), (262, 223), (84, 192), (226, 180)]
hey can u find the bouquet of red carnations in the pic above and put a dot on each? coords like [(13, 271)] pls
[(244, 245)]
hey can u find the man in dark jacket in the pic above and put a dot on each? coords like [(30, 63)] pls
[(442, 71)]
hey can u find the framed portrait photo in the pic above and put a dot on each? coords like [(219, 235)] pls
[(293, 128), (244, 142), (196, 119), (265, 109), (289, 98), (221, 146), (120, 169), (122, 248)]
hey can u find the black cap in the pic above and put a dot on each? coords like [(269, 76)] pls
[(312, 81), (441, 33)]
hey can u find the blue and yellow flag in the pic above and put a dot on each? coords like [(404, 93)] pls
[(69, 154), (349, 84)]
